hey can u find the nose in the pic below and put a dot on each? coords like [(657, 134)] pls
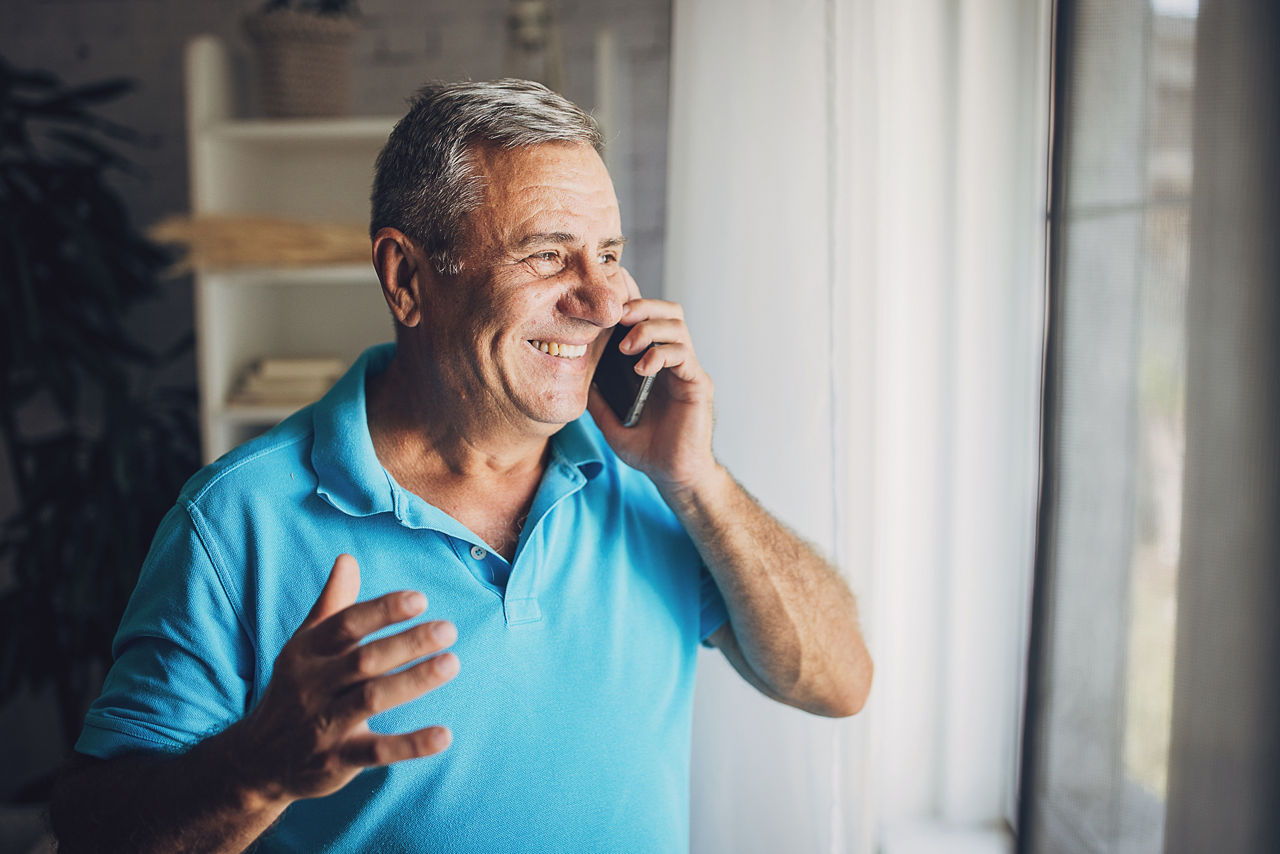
[(596, 295)]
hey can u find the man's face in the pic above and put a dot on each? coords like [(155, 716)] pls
[(540, 272)]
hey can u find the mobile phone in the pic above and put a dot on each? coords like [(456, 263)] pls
[(623, 389)]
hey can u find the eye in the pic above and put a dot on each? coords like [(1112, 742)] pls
[(545, 263), (608, 258)]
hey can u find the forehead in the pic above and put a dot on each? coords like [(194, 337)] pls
[(548, 187)]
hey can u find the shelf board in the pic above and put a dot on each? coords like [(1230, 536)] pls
[(325, 274), (233, 413), (369, 129)]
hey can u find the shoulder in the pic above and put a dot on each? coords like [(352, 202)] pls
[(279, 456), (235, 510)]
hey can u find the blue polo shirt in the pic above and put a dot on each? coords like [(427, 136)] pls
[(572, 710)]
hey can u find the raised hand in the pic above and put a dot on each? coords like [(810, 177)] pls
[(309, 736), (672, 441)]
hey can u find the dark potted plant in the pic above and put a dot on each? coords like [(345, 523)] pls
[(304, 56), (96, 450)]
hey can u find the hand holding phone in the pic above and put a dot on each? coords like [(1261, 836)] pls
[(622, 388)]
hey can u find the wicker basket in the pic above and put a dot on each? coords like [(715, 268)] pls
[(304, 62)]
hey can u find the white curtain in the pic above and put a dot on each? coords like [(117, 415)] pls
[(855, 230)]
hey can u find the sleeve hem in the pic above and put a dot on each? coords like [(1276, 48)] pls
[(107, 738), (714, 615)]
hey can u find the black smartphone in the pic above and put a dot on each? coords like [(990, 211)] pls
[(623, 389)]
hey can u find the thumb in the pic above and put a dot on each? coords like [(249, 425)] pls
[(339, 591)]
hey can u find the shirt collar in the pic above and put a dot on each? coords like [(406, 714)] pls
[(581, 444), (348, 473), (350, 476)]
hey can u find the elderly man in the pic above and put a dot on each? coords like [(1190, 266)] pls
[(570, 566)]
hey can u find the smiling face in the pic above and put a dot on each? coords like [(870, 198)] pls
[(517, 333)]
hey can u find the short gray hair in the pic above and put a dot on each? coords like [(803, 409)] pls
[(425, 181)]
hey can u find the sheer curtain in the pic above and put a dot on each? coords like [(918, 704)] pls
[(855, 231), (1154, 711)]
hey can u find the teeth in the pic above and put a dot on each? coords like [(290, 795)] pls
[(564, 351)]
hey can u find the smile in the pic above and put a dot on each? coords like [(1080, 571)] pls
[(564, 351)]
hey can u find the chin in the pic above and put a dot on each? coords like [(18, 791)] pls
[(564, 415), (557, 412)]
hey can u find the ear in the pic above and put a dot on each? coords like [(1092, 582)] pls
[(401, 270)]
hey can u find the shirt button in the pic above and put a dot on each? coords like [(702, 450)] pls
[(478, 553)]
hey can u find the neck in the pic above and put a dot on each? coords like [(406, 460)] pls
[(438, 446), (420, 431)]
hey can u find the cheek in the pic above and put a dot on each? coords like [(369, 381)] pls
[(490, 313), (530, 305), (505, 307)]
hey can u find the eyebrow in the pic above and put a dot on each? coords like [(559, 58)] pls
[(561, 237)]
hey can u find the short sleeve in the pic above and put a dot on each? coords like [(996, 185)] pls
[(183, 665), (714, 614)]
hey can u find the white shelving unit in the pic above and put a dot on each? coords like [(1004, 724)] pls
[(315, 169)]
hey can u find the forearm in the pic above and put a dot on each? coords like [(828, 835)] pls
[(791, 615), (200, 801)]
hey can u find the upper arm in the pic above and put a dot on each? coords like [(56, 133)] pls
[(182, 668)]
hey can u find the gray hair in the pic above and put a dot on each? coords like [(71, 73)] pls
[(425, 181)]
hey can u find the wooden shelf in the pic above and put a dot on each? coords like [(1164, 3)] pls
[(317, 170), (370, 129), (293, 277)]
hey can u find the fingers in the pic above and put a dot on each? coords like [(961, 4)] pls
[(384, 749), (327, 684), (653, 322), (639, 310), (340, 590), (677, 359), (658, 331), (366, 699), (378, 657), (348, 627)]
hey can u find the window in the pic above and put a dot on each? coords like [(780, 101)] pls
[(1151, 722)]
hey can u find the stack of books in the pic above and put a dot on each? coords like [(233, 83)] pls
[(287, 381)]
